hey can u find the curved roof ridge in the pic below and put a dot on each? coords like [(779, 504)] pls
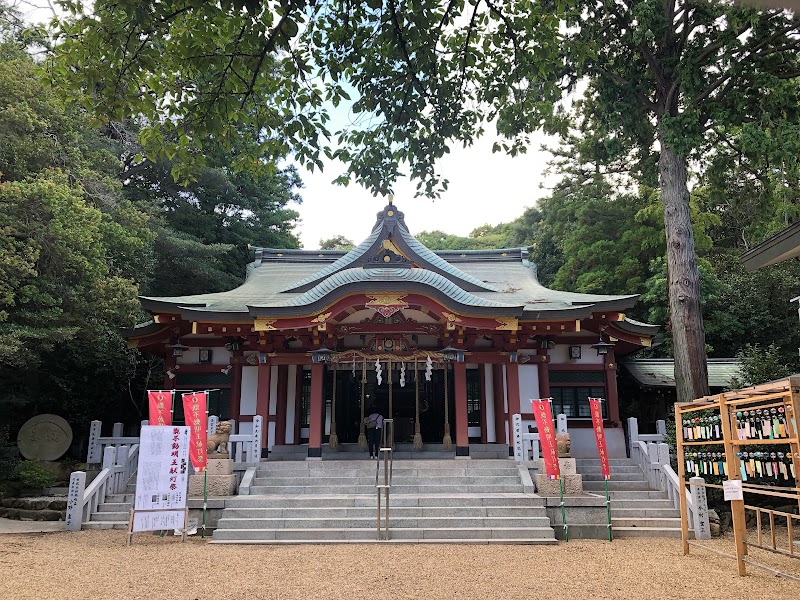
[(338, 264), (390, 275), (437, 261)]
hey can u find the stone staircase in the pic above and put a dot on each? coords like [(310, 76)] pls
[(636, 510), (432, 501), (115, 511)]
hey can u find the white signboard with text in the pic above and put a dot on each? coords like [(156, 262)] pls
[(162, 478)]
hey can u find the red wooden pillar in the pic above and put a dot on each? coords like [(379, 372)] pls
[(316, 407), (512, 385), (610, 364), (499, 405), (484, 408), (544, 373), (236, 386), (460, 390), (262, 400), (280, 420)]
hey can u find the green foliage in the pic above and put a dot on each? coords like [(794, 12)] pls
[(32, 474), (759, 364), (337, 242)]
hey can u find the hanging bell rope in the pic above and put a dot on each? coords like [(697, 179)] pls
[(417, 435), (362, 436), (447, 442), (333, 440)]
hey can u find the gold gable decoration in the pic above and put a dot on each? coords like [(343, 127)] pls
[(387, 304), (507, 324), (262, 324)]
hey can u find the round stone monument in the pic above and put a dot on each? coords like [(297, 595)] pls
[(44, 437)]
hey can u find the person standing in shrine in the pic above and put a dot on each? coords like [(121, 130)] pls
[(374, 423)]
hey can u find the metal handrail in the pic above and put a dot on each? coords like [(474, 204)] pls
[(386, 451)]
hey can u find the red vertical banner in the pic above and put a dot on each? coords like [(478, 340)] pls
[(547, 437), (194, 411), (599, 435), (160, 406)]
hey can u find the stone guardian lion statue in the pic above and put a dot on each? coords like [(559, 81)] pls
[(217, 444)]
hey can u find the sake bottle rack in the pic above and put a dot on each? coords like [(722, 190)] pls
[(745, 438)]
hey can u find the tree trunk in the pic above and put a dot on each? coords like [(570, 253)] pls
[(683, 277)]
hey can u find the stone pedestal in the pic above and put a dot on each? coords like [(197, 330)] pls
[(221, 481), (573, 482)]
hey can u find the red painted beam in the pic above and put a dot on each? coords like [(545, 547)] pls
[(612, 398), (512, 384)]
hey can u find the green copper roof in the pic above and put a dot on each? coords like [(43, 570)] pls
[(489, 282)]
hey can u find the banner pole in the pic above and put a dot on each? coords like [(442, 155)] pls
[(563, 510), (608, 511), (205, 500)]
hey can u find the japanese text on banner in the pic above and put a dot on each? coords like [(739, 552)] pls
[(547, 437), (160, 406), (194, 410), (599, 435)]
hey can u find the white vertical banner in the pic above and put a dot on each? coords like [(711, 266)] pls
[(162, 478), (516, 425)]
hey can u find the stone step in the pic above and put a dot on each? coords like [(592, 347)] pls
[(475, 541), (633, 494), (460, 533), (397, 500), (646, 523), (635, 476), (641, 503), (405, 464), (625, 532), (109, 516), (649, 513), (341, 512), (397, 480), (397, 471), (106, 525), (611, 461), (127, 498), (115, 507), (396, 489), (613, 470), (615, 486), (398, 522)]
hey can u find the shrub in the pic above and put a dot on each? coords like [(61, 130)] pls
[(34, 474)]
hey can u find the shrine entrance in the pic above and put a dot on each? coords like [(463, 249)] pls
[(403, 404)]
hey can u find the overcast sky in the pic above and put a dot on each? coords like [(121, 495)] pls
[(484, 188)]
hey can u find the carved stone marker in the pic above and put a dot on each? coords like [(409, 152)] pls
[(44, 437)]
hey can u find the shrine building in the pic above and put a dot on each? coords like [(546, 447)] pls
[(450, 344)]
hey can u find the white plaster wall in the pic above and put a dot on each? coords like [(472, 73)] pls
[(249, 390), (273, 392), (291, 389), (271, 434), (245, 428), (528, 387), (488, 393), (560, 355)]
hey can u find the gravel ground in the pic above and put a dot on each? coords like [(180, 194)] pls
[(96, 564)]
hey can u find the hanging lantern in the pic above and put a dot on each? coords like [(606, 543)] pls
[(602, 347), (452, 354), (178, 348), (322, 355)]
